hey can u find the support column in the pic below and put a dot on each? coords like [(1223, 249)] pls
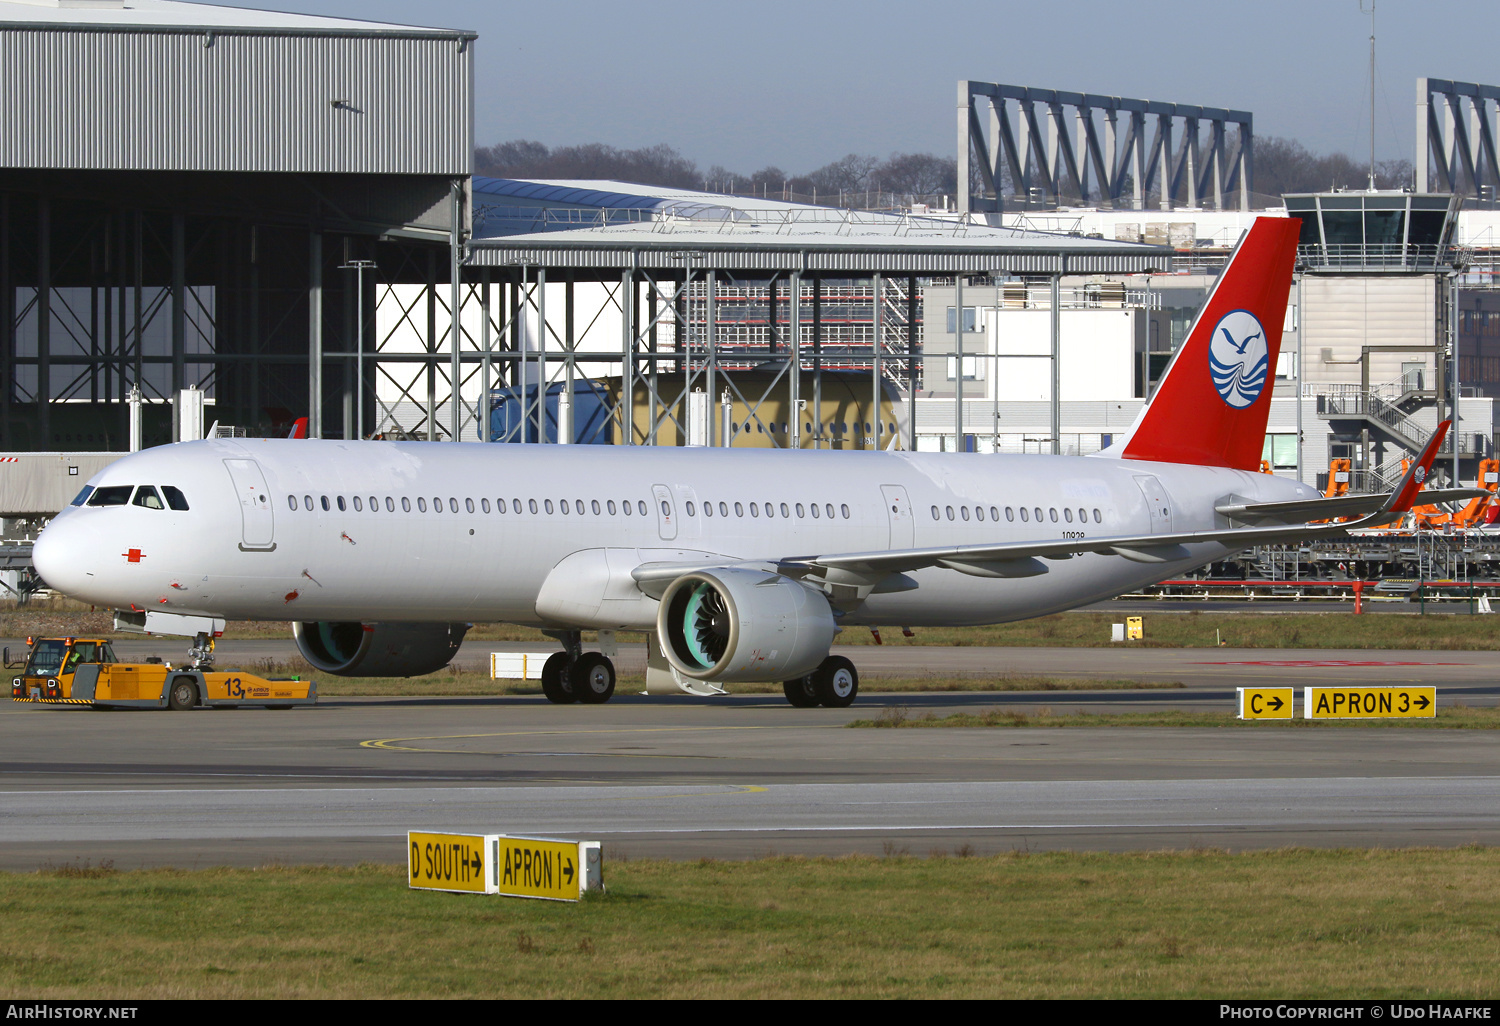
[(911, 362), (818, 361), (570, 342), (179, 302), (455, 290), (44, 326), (795, 370), (627, 357), (430, 347), (541, 354), (653, 395), (520, 318), (253, 343), (710, 318), (958, 372), (7, 327), (875, 412), (315, 335), (484, 367), (1057, 364)]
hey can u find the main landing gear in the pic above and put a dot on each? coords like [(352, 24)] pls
[(834, 684), (574, 675)]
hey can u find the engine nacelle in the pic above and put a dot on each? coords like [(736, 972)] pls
[(743, 625), (379, 649)]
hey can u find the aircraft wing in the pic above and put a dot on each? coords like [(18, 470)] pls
[(1303, 510)]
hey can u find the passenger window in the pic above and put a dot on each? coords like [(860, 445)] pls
[(770, 510), (828, 508), (327, 507), (359, 505), (936, 513), (437, 504), (708, 509), (469, 505), (1067, 514), (547, 503), (963, 511), (531, 505), (844, 508), (595, 505), (1037, 512), (666, 510), (1010, 514), (814, 509), (641, 506), (950, 512), (784, 511), (563, 505), (739, 510), (610, 505), (405, 504), (689, 509), (978, 512), (995, 513), (484, 505), (1083, 516), (799, 511), (1097, 518), (452, 504), (421, 505), (307, 502), (1053, 514), (343, 507), (390, 504), (515, 506), (626, 507), (146, 496), (375, 504), (175, 498), (1024, 515), (723, 510), (291, 501), (754, 510)]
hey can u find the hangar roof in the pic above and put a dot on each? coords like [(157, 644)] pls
[(172, 14)]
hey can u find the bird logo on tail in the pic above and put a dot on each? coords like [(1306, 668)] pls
[(1239, 368)]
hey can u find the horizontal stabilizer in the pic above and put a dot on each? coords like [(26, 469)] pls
[(1299, 511)]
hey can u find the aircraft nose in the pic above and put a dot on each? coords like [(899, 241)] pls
[(59, 559)]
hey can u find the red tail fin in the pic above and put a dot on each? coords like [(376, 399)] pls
[(1212, 405), (299, 428)]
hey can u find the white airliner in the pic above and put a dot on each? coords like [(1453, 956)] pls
[(741, 564)]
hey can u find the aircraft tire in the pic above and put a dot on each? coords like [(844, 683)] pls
[(555, 683), (800, 692), (183, 695), (836, 682), (593, 678)]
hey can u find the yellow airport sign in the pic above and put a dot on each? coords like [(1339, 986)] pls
[(451, 862), (1134, 631), (1265, 703), (1366, 703), (538, 867)]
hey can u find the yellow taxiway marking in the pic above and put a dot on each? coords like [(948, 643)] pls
[(390, 744)]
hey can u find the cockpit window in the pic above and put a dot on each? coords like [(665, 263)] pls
[(114, 495), (146, 496), (83, 496), (175, 498)]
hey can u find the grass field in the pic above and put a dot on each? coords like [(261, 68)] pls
[(1291, 923), (1448, 718), (1455, 631)]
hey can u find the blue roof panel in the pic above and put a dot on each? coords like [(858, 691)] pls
[(562, 195)]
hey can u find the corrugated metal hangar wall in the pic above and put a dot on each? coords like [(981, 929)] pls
[(179, 185)]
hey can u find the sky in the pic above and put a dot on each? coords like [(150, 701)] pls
[(800, 84)]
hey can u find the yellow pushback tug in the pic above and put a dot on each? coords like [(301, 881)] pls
[(84, 671)]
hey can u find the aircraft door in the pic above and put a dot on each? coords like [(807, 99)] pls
[(1157, 502), (666, 512), (898, 513), (256, 517)]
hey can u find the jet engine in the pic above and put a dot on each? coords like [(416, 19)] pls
[(379, 649), (743, 625)]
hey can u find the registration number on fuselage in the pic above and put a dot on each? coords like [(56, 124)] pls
[(1073, 534)]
